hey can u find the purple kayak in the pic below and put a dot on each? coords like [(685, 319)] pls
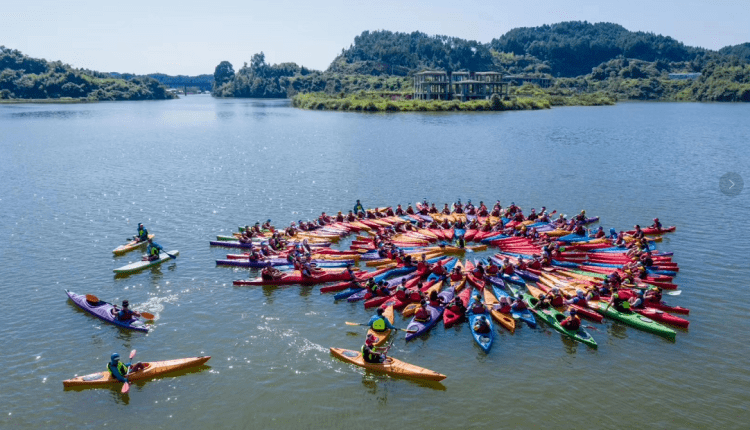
[(417, 328), (238, 244), (103, 311), (280, 262)]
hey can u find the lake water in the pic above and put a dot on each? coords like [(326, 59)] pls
[(76, 179)]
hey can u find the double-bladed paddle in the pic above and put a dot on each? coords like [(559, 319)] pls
[(93, 299), (126, 385)]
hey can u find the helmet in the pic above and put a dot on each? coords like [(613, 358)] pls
[(579, 293), (656, 219), (573, 312), (370, 339), (268, 220), (115, 356)]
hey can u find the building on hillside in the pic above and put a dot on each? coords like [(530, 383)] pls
[(463, 86), (541, 81)]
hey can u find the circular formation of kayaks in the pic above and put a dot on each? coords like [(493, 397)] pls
[(412, 254)]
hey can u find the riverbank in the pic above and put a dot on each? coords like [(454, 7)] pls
[(64, 100), (377, 103)]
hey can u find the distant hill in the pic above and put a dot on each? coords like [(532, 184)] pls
[(24, 77), (203, 82), (741, 51)]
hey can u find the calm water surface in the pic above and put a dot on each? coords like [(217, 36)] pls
[(76, 179)]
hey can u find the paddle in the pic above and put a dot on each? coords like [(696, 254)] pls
[(126, 385), (93, 299), (366, 325), (173, 257)]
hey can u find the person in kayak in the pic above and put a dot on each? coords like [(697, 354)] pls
[(581, 217), (519, 305), (580, 299), (543, 302), (339, 217), (435, 300), (153, 250), (266, 225), (573, 322), (119, 370), (555, 297), (270, 273), (380, 323), (600, 233), (422, 314), (370, 353), (142, 234), (124, 313), (656, 225), (358, 207), (433, 209), (478, 307), (638, 233), (399, 210), (350, 217), (457, 306), (409, 209), (481, 325), (653, 295), (503, 305), (619, 302), (638, 301)]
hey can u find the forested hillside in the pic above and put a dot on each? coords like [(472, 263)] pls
[(23, 77)]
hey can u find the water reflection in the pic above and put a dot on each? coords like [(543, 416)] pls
[(56, 114)]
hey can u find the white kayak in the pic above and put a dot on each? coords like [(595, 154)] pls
[(140, 265)]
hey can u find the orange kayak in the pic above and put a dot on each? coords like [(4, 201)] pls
[(152, 370), (391, 366)]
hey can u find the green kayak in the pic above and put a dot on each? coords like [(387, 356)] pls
[(633, 319), (553, 317), (140, 265)]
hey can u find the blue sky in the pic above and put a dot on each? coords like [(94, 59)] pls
[(191, 37)]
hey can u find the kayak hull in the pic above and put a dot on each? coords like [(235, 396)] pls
[(122, 249)]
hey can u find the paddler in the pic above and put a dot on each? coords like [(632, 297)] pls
[(350, 217), (369, 351), (270, 273), (119, 370), (543, 302), (142, 234), (422, 314), (433, 209), (653, 295), (492, 269), (481, 325), (579, 299), (458, 207), (656, 225), (152, 250), (581, 217), (409, 209), (358, 207), (267, 225), (478, 307), (457, 306), (482, 211), (600, 233), (532, 216), (503, 305), (125, 314), (519, 305), (399, 210), (572, 323), (446, 210), (619, 302), (555, 297), (339, 217), (380, 323), (638, 233)]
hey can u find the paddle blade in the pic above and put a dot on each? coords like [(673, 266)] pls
[(352, 323), (147, 315), (132, 354), (92, 298), (673, 293), (125, 388)]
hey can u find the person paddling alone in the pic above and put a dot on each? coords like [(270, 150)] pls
[(142, 234), (153, 250), (380, 323), (119, 370), (369, 351), (125, 314)]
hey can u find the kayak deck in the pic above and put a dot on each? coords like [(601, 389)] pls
[(391, 366), (153, 369), (141, 265)]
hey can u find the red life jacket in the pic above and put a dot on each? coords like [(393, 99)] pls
[(557, 300)]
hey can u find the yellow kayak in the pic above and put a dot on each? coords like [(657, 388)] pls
[(391, 366), (122, 249), (152, 370)]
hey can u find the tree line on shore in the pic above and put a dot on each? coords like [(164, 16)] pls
[(603, 59), (23, 77)]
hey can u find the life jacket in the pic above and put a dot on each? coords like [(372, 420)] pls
[(478, 308), (368, 356), (505, 309), (422, 315), (571, 323), (401, 295), (142, 232), (557, 300), (508, 270), (379, 324), (123, 369), (456, 276), (154, 251)]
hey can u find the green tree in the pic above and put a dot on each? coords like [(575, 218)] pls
[(223, 73)]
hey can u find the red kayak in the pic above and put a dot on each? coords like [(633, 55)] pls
[(654, 231), (297, 278), (449, 317)]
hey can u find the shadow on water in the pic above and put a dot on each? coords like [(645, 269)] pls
[(371, 379), (54, 114)]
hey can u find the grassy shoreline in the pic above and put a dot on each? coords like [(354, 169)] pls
[(374, 102)]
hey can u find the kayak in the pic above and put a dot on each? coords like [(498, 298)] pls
[(633, 319), (484, 340), (391, 366), (103, 311), (417, 328), (524, 315), (152, 370), (504, 320), (141, 265), (553, 318), (382, 336), (449, 317), (297, 278), (122, 249)]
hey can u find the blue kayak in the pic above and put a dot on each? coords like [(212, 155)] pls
[(484, 340)]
